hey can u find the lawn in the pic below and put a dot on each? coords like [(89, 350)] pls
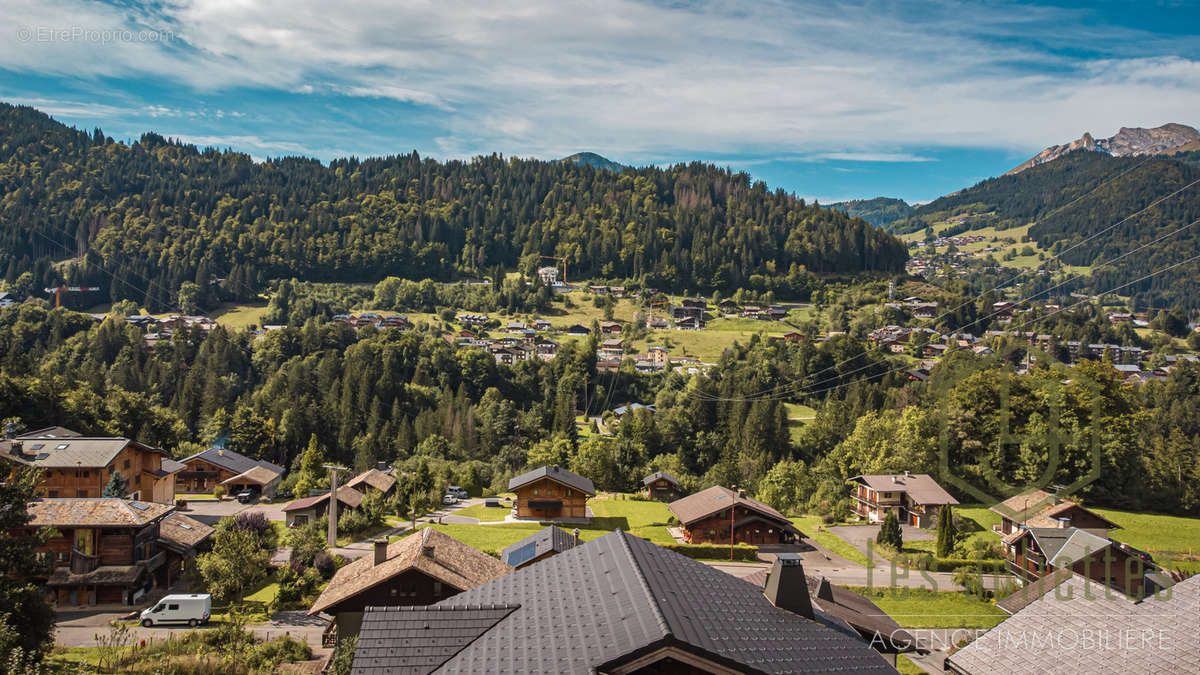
[(798, 412), (982, 517), (809, 524), (236, 317), (923, 608), (266, 594), (1167, 538), (484, 513)]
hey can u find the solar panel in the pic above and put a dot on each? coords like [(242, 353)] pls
[(37, 446), (42, 455), (522, 555), (185, 526)]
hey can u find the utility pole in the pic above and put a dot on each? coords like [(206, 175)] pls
[(732, 510), (331, 538)]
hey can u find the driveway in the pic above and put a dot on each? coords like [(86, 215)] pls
[(209, 511), (81, 628), (858, 535)]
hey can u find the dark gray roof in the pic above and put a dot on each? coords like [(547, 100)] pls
[(536, 545), (49, 432), (1064, 546), (660, 474), (556, 474), (419, 639), (597, 605), (232, 461), (1024, 596)]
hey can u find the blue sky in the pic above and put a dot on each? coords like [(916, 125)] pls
[(824, 99)]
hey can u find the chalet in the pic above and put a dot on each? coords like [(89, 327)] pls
[(689, 323), (608, 365), (1033, 552), (550, 492), (82, 466), (793, 336), (220, 466), (661, 486), (545, 348), (105, 550), (1039, 508), (933, 351), (924, 310), (657, 323), (514, 326), (610, 328), (728, 306), (659, 356), (689, 309), (306, 510), (1148, 635), (715, 515), (541, 324), (375, 479), (612, 348), (617, 291), (539, 546), (472, 319), (420, 569), (548, 275), (776, 314), (622, 410), (752, 312), (914, 497), (619, 604), (578, 330), (598, 290), (181, 538)]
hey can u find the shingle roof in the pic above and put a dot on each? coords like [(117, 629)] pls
[(453, 563), (594, 606), (1022, 597), (95, 512), (1037, 508), (69, 452), (170, 466), (375, 478), (660, 475), (182, 531), (232, 461), (256, 474), (920, 487), (1077, 545), (402, 640), (537, 544), (346, 495), (1157, 635), (718, 498), (49, 432), (556, 474)]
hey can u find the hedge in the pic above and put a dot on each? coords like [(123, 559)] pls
[(743, 552), (931, 564)]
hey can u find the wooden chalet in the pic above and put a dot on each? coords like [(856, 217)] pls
[(420, 569), (181, 538), (715, 515), (661, 486), (914, 497), (551, 493), (106, 550), (373, 479), (79, 466), (538, 546), (220, 466), (306, 510), (1039, 508), (1035, 552)]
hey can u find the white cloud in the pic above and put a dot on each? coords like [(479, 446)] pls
[(637, 80)]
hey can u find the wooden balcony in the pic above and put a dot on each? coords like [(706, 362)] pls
[(82, 563)]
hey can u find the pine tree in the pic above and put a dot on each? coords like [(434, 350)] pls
[(117, 486), (890, 533), (945, 535), (310, 469)]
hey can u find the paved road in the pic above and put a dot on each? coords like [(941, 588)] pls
[(859, 536), (209, 511), (80, 628)]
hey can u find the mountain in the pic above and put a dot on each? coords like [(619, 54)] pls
[(1127, 142), (142, 219), (879, 211), (1060, 204), (595, 161)]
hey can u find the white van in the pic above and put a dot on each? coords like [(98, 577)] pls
[(193, 609)]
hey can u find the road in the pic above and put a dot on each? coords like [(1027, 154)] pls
[(81, 628)]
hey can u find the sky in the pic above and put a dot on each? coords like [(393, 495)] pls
[(825, 99)]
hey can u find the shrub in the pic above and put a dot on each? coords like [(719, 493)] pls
[(353, 522), (743, 552), (325, 565), (890, 533), (256, 522), (219, 491)]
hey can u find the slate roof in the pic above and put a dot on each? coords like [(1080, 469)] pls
[(718, 498), (69, 452), (1063, 546), (49, 432), (403, 640), (557, 474), (182, 533), (536, 545), (255, 474), (1022, 597), (1047, 636), (595, 606), (375, 478), (232, 461), (170, 466), (660, 475), (346, 495), (95, 512), (1037, 508), (920, 487), (453, 563)]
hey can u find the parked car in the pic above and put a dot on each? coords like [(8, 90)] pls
[(246, 496), (192, 609), (458, 492), (449, 499)]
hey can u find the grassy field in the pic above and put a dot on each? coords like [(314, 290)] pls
[(982, 517), (995, 238), (483, 513), (1167, 538), (237, 317), (809, 524), (921, 608)]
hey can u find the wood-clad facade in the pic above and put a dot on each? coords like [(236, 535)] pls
[(81, 467), (547, 499), (718, 514)]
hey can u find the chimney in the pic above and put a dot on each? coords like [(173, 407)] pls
[(741, 493), (381, 466), (895, 479), (787, 587), (554, 468), (427, 550), (380, 551), (907, 474), (576, 533)]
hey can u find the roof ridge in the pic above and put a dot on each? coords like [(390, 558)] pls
[(663, 624)]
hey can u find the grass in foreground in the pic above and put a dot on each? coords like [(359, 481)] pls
[(483, 513), (922, 608)]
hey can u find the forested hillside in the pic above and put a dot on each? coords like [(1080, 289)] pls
[(146, 218), (1079, 195), (879, 211)]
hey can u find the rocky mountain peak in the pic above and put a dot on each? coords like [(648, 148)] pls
[(1128, 141)]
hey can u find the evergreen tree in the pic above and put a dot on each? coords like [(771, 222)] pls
[(890, 533), (945, 532), (26, 619), (310, 469), (117, 486)]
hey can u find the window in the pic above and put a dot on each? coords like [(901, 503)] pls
[(172, 607), (81, 493), (126, 464), (52, 494)]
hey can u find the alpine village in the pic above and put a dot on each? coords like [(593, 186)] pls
[(266, 413)]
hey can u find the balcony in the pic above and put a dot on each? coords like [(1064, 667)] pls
[(82, 563), (330, 636)]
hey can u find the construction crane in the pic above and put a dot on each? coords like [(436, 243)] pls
[(560, 261), (68, 289)]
